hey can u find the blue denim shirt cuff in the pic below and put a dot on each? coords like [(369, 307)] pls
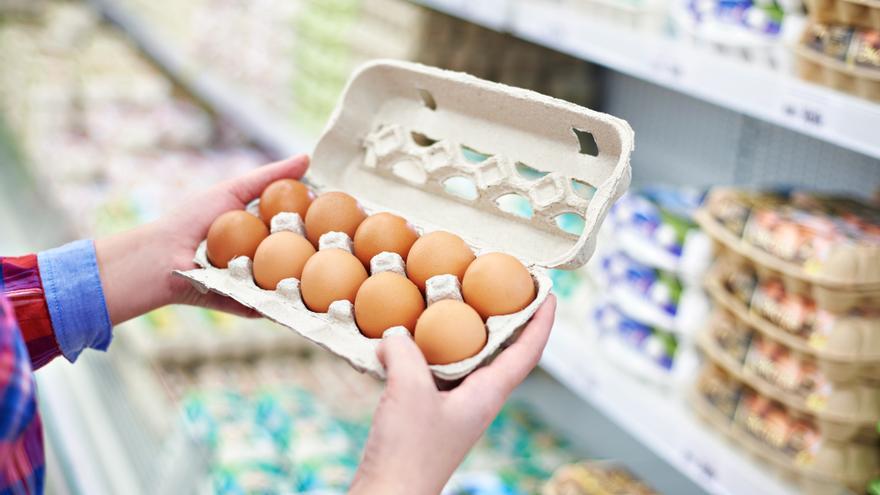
[(75, 298)]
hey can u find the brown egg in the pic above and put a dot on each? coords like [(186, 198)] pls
[(387, 300), (437, 253), (449, 331), (333, 212), (331, 275), (383, 232), (234, 233), (281, 255), (286, 195), (497, 284)]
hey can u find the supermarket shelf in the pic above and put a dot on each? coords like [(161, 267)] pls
[(249, 116), (660, 421), (755, 91)]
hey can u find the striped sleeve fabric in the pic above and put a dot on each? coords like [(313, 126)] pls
[(22, 285), (22, 460)]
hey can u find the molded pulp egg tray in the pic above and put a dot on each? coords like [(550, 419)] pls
[(402, 136)]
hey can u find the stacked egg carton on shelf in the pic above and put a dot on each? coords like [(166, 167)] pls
[(842, 51), (756, 32), (111, 145), (794, 344), (651, 301)]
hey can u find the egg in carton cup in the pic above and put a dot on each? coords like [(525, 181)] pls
[(401, 134)]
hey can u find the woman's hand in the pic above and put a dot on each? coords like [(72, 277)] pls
[(420, 435), (136, 265)]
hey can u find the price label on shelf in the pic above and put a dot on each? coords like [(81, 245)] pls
[(805, 111), (669, 66), (703, 467)]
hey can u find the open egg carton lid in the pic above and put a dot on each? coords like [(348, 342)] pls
[(443, 149), (403, 130)]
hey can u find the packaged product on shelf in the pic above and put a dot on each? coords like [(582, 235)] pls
[(752, 31), (866, 48), (652, 354), (792, 308), (828, 241), (397, 153), (847, 12), (658, 346), (841, 57), (770, 424), (595, 478), (655, 226), (795, 283), (791, 377), (784, 439), (833, 41), (838, 328), (652, 296)]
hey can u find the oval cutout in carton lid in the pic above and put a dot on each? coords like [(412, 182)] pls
[(402, 130)]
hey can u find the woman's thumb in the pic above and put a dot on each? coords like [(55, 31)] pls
[(404, 363)]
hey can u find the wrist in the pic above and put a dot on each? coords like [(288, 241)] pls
[(135, 270)]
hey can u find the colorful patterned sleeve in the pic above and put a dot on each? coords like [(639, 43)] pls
[(22, 457), (20, 282)]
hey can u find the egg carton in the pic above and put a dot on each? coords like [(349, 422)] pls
[(835, 464), (400, 131), (850, 409), (821, 69), (851, 350), (862, 13), (834, 300), (847, 269)]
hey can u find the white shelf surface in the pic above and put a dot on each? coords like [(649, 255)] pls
[(248, 115), (659, 420), (759, 92)]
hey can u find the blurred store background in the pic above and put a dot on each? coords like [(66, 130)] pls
[(710, 346)]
